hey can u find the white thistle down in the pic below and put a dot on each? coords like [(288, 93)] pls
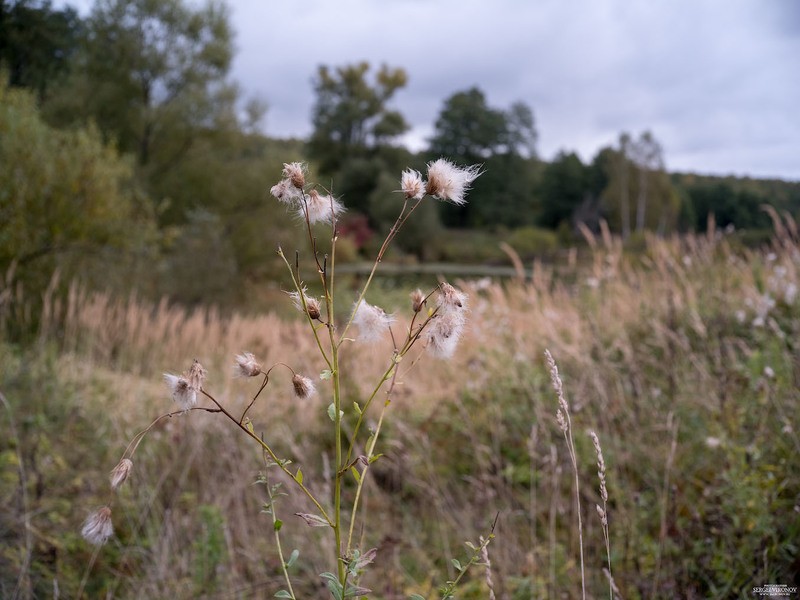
[(97, 528), (295, 174), (312, 305), (303, 386), (246, 365), (448, 182), (120, 473), (184, 394), (286, 192), (412, 185), (372, 321), (320, 208), (447, 325)]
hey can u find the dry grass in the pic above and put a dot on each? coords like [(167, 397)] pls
[(661, 354)]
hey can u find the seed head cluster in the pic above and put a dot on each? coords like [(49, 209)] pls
[(311, 206), (445, 181), (447, 325)]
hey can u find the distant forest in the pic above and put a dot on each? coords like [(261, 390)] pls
[(125, 144)]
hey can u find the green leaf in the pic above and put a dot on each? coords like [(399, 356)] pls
[(293, 558), (357, 407), (457, 565), (277, 525), (332, 412), (249, 425), (283, 594), (326, 374), (333, 585), (356, 474), (299, 477), (372, 459)]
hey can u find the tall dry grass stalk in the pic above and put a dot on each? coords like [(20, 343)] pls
[(565, 423)]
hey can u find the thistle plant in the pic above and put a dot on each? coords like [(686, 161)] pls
[(437, 320)]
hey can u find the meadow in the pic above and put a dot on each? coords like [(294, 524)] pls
[(682, 356)]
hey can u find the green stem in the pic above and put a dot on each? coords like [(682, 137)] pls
[(448, 591), (299, 289), (276, 530), (390, 236), (272, 455), (360, 420), (370, 449), (337, 489)]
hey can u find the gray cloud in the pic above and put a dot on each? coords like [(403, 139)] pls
[(715, 80)]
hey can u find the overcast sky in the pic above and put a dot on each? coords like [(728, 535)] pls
[(716, 81)]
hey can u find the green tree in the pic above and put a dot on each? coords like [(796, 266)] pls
[(469, 131), (351, 115), (69, 203), (562, 190), (37, 42), (152, 75), (636, 171)]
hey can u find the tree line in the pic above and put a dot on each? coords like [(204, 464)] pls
[(131, 145)]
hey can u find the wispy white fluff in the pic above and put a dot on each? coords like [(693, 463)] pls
[(448, 182), (184, 394), (97, 528), (320, 208), (372, 321), (412, 185)]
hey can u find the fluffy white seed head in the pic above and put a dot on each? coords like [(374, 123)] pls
[(286, 192), (451, 300), (312, 307), (120, 473), (181, 391), (443, 334), (412, 185), (295, 174), (372, 321), (320, 208), (97, 528), (448, 182), (246, 365), (303, 386)]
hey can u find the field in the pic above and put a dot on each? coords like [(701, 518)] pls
[(683, 357)]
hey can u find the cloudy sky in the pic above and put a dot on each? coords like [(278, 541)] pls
[(716, 81)]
